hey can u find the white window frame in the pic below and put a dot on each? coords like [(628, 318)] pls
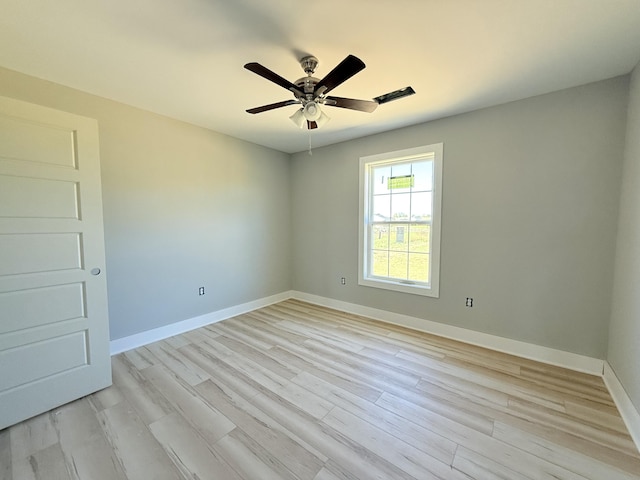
[(434, 152)]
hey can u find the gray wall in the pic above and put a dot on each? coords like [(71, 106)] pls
[(531, 191), (530, 207), (183, 207), (624, 332)]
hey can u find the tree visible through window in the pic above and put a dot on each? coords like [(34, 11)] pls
[(400, 211)]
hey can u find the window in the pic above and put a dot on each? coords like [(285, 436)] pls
[(400, 203)]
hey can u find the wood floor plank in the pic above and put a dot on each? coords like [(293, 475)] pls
[(389, 373), (35, 449), (331, 375), (506, 455), (236, 331), (140, 358), (294, 453), (269, 381), (180, 340), (250, 459), (451, 406), (46, 464), (408, 458), (504, 383), (266, 323), (580, 462), (325, 474), (407, 431), (296, 391), (260, 357), (177, 363), (352, 457), (209, 361), (320, 336), (86, 450), (189, 452), (558, 420), (5, 455), (32, 435), (141, 456), (216, 349), (611, 456), (145, 398), (105, 398), (598, 416), (474, 465), (205, 419), (230, 386)]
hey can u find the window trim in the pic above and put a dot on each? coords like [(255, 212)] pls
[(432, 290)]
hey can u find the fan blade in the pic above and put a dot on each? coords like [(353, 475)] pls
[(264, 72), (271, 106), (342, 72), (396, 94), (311, 125), (351, 103)]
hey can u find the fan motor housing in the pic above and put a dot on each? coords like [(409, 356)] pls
[(307, 84)]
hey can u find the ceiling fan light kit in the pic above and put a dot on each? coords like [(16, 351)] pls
[(298, 118), (312, 111), (301, 119), (311, 92)]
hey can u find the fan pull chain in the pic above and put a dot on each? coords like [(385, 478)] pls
[(309, 133)]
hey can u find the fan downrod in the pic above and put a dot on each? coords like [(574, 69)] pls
[(309, 64)]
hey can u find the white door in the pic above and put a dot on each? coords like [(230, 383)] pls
[(54, 333)]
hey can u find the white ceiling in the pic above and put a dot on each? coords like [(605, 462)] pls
[(184, 58)]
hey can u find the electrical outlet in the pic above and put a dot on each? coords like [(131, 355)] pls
[(469, 302), (201, 291), (343, 281)]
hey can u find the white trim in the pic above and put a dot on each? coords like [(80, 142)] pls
[(365, 277), (538, 353), (120, 345), (627, 409)]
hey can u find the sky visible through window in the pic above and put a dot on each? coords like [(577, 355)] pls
[(400, 222)]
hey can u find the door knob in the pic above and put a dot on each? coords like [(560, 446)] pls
[(95, 271)]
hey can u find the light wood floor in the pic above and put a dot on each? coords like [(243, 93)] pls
[(296, 391)]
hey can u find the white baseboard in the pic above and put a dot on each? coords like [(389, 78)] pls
[(120, 345), (539, 353), (560, 358), (627, 409)]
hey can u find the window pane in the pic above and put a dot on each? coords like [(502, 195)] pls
[(419, 238), (380, 179), (380, 263), (421, 206), (381, 211), (398, 265), (399, 238), (423, 176), (380, 237), (400, 206), (419, 267)]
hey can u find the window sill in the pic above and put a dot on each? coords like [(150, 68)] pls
[(399, 286)]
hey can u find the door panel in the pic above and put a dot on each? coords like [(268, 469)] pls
[(22, 365), (23, 197), (22, 308), (53, 145), (54, 338)]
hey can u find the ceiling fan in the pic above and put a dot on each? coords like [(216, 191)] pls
[(311, 92)]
